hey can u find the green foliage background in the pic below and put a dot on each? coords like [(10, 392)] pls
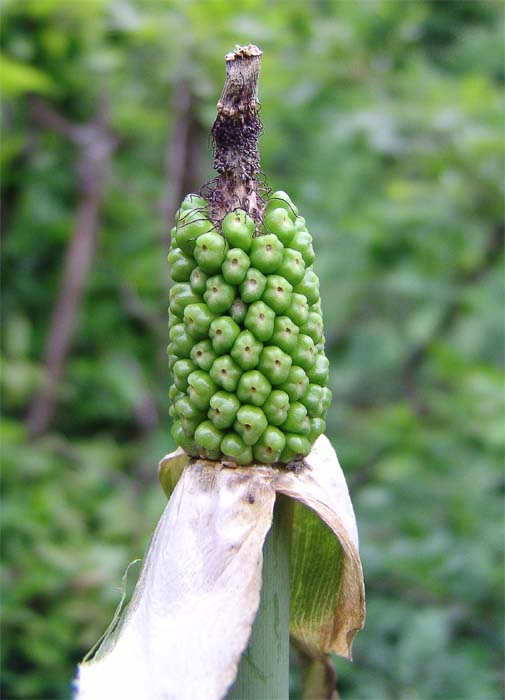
[(384, 122)]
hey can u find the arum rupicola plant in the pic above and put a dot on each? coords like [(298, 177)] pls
[(258, 540)]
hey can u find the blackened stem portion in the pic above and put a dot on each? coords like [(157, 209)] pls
[(235, 136)]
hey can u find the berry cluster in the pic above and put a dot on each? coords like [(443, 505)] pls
[(246, 344)]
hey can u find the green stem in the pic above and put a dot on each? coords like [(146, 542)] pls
[(264, 668)]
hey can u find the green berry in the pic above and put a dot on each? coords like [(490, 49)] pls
[(292, 266), (277, 293), (203, 354), (198, 280), (174, 393), (193, 225), (181, 371), (180, 296), (253, 388), (326, 401), (297, 447), (269, 447), (296, 383), (296, 420), (274, 364), (276, 407), (313, 326), (235, 266), (189, 425), (173, 320), (209, 252), (188, 444), (278, 221), (246, 350), (313, 400), (309, 287), (253, 285), (304, 353), (317, 428), (197, 319), (200, 389), (233, 446), (223, 409), (225, 372), (283, 200), (238, 229), (266, 253), (172, 357), (223, 332), (181, 265), (185, 408), (302, 241), (250, 423), (208, 436), (192, 201), (285, 334), (298, 309), (318, 374), (260, 320), (300, 224), (219, 295), (238, 310), (181, 340)]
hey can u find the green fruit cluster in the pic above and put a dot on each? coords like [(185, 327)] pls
[(246, 348)]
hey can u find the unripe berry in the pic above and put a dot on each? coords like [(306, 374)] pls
[(313, 326), (269, 446), (181, 265), (260, 320), (297, 447), (235, 266), (238, 229), (253, 388), (188, 445), (253, 285), (266, 253), (282, 199), (250, 423), (302, 241), (296, 420), (233, 446), (223, 332), (274, 364), (209, 252), (197, 319), (292, 266), (318, 374), (309, 287), (276, 407), (181, 371), (198, 280), (304, 353), (200, 389), (278, 221), (180, 296), (296, 383), (285, 334), (193, 225), (208, 436), (313, 399), (298, 309), (223, 409), (219, 295), (246, 350), (225, 372), (277, 293), (238, 310), (203, 354)]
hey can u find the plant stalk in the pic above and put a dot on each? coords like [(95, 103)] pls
[(264, 668)]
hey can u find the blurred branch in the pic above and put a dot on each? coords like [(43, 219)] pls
[(95, 143), (182, 158)]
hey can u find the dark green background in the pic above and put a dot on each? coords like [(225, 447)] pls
[(384, 122)]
